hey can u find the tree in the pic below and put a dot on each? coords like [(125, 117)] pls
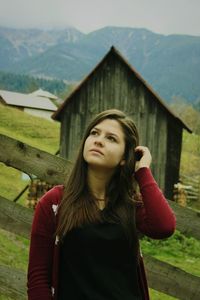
[(189, 114)]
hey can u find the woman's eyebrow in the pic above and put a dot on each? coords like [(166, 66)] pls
[(111, 133), (108, 132), (96, 128)]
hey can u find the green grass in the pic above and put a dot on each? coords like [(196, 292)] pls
[(178, 250), (154, 295), (190, 156), (14, 250), (190, 162), (4, 298), (36, 132)]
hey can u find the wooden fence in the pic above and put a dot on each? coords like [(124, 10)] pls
[(14, 218), (192, 187)]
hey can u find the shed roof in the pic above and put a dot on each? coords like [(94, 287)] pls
[(113, 51), (27, 100), (46, 94)]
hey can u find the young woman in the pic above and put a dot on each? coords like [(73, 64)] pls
[(84, 239)]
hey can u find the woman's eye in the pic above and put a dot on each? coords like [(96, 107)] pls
[(111, 138), (93, 132)]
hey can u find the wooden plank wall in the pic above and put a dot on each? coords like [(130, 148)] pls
[(173, 153), (113, 85)]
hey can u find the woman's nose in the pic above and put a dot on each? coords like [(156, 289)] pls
[(98, 141)]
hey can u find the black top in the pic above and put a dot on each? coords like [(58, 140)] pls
[(97, 263)]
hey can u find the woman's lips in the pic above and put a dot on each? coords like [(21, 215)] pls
[(96, 150)]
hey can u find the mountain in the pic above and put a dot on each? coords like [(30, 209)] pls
[(18, 45), (170, 64)]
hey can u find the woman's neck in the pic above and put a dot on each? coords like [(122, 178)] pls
[(97, 182)]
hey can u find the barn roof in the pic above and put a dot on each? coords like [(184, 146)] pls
[(27, 100), (46, 94), (113, 51)]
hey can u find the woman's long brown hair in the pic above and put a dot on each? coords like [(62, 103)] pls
[(78, 207)]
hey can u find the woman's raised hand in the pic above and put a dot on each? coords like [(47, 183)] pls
[(145, 159)]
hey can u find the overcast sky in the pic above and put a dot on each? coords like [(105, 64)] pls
[(160, 16)]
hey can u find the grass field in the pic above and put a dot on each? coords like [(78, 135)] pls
[(34, 131), (178, 250), (190, 156)]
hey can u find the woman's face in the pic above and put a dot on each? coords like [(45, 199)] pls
[(105, 146)]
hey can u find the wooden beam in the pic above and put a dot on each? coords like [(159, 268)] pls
[(171, 280), (12, 283), (17, 219), (187, 220), (30, 160), (54, 169), (161, 276)]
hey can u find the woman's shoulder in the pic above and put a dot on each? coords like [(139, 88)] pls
[(46, 210), (52, 197)]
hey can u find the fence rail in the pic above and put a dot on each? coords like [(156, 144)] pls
[(31, 160), (192, 187), (161, 276)]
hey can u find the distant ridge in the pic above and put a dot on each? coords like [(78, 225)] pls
[(171, 64)]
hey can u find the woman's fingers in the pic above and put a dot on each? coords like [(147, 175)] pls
[(145, 159)]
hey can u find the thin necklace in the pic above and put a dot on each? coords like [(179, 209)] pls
[(99, 199)]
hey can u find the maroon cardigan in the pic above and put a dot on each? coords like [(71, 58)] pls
[(154, 219)]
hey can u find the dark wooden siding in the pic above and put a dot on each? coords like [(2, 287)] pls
[(114, 85), (173, 152)]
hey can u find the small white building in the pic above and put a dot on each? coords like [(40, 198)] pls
[(45, 94), (33, 104)]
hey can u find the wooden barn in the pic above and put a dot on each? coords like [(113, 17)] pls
[(114, 83)]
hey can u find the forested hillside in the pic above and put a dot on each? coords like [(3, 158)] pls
[(27, 84)]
